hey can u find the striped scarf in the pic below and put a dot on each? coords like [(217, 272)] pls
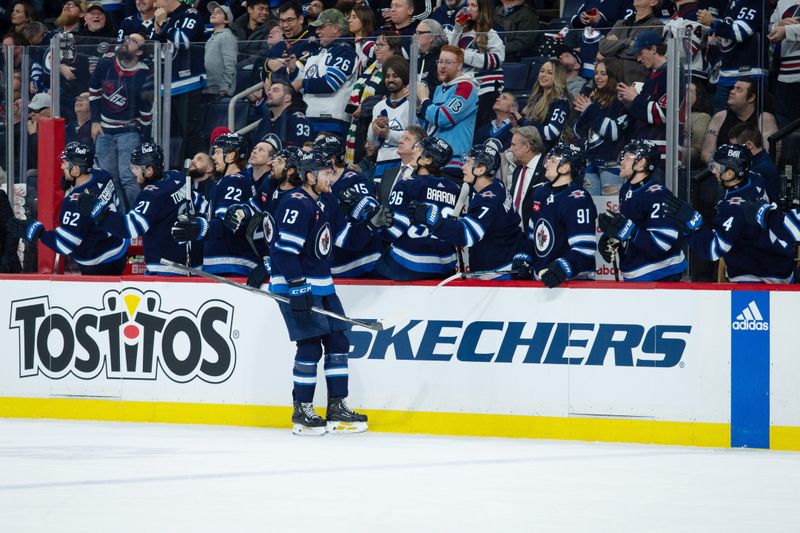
[(366, 86)]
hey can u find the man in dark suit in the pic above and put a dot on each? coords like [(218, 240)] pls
[(408, 153), (528, 151)]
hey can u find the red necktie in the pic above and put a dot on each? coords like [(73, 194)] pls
[(521, 185)]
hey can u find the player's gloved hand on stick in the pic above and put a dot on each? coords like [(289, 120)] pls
[(300, 298), (683, 213), (617, 226), (90, 205), (383, 218), (260, 273), (188, 229), (607, 246), (237, 216), (555, 273), (426, 214), (28, 229), (521, 267)]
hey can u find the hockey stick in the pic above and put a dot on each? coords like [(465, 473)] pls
[(473, 275), (190, 210), (463, 256), (376, 326)]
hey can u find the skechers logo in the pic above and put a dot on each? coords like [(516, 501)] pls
[(750, 319)]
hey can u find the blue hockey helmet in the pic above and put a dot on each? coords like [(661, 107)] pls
[(736, 157), (569, 153)]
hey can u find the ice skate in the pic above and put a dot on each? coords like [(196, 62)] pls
[(341, 419), (306, 421)]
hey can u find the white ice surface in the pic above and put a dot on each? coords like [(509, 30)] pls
[(65, 476)]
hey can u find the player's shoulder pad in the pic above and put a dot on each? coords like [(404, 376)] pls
[(734, 201), (654, 188)]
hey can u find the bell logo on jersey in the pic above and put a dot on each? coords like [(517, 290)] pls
[(543, 237), (130, 335), (750, 319)]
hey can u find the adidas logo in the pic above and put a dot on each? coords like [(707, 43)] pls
[(750, 319)]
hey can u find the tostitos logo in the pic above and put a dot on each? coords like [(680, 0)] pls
[(130, 336)]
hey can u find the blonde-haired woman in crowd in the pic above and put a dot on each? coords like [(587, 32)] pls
[(548, 106)]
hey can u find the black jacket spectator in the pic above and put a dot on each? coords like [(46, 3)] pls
[(520, 19), (9, 261)]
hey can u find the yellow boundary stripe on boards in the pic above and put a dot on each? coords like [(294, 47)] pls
[(573, 428)]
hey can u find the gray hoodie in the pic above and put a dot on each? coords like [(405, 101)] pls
[(221, 53)]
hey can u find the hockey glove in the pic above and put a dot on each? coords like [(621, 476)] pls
[(27, 229), (616, 225), (683, 214), (258, 276), (236, 216), (756, 213), (521, 267), (90, 205), (363, 210), (382, 219), (188, 229), (425, 214), (348, 199), (300, 298), (555, 273), (607, 246)]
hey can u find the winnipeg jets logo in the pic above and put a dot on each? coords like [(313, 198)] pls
[(487, 194), (268, 225), (543, 237), (115, 97), (297, 195), (537, 206), (577, 194), (654, 188), (736, 200), (312, 71), (323, 243)]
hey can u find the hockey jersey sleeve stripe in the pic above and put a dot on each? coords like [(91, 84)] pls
[(660, 242), (475, 226), (63, 247), (341, 237), (287, 248), (582, 238), (742, 31), (609, 130), (588, 252), (67, 236), (292, 238), (137, 224), (791, 226), (655, 114), (666, 232), (402, 219)]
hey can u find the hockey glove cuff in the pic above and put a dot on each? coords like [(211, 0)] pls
[(426, 214), (617, 226), (365, 209), (188, 229), (556, 273), (683, 214), (521, 267), (382, 219), (90, 205), (300, 298)]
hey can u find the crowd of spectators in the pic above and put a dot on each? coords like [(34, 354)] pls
[(597, 79)]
